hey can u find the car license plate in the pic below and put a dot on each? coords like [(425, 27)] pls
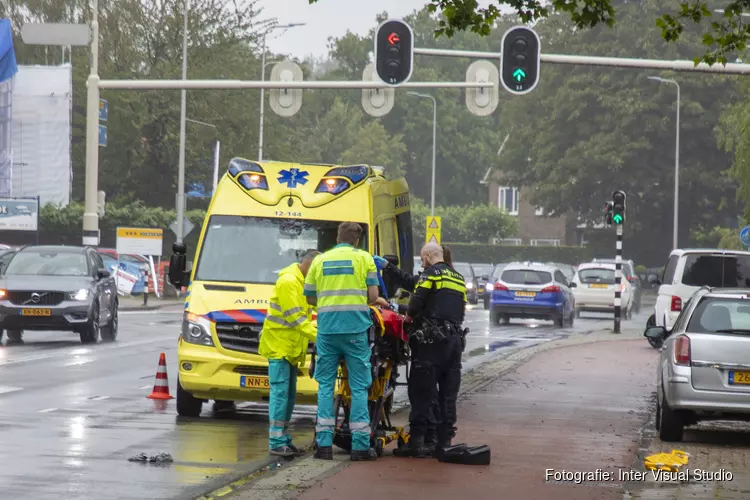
[(597, 285), (254, 382), (36, 312), (739, 378), (530, 295)]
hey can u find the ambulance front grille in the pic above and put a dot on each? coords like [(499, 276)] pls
[(241, 337)]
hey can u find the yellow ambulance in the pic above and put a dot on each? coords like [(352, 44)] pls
[(262, 217)]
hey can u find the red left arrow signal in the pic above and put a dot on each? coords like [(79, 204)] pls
[(393, 38)]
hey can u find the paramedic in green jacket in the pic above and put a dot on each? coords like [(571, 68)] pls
[(287, 330), (341, 283)]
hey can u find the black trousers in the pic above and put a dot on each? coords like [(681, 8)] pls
[(434, 381)]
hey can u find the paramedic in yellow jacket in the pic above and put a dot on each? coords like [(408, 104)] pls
[(286, 332)]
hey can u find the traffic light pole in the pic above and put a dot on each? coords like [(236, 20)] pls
[(614, 62), (618, 279)]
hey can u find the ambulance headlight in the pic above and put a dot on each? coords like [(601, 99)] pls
[(196, 330)]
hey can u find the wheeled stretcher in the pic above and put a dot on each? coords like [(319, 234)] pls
[(390, 350)]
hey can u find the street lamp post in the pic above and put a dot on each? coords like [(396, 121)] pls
[(434, 146), (676, 161), (183, 116), (216, 150), (263, 78)]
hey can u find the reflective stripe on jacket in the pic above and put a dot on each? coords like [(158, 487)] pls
[(339, 279), (288, 326)]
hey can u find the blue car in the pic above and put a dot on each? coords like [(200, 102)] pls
[(532, 291)]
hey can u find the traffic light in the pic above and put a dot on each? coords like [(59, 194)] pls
[(394, 52), (608, 213), (618, 207), (519, 67)]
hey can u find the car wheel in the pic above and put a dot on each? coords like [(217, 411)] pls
[(671, 423), (559, 320), (494, 318), (486, 304), (187, 404), (109, 331), (15, 337), (90, 333), (657, 420), (572, 320)]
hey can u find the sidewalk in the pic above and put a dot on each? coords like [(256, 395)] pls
[(154, 303), (578, 405)]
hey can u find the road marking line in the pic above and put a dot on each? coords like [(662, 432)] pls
[(98, 398), (145, 387), (5, 388), (47, 410)]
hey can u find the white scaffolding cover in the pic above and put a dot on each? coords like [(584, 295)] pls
[(42, 101)]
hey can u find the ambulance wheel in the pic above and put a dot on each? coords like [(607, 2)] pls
[(187, 404)]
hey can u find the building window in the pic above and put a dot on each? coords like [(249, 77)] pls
[(507, 199), (545, 243), (539, 212)]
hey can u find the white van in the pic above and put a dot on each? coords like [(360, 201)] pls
[(690, 269)]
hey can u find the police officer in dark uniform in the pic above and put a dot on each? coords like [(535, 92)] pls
[(436, 310)]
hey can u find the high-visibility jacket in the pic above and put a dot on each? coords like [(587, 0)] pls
[(288, 326), (339, 279)]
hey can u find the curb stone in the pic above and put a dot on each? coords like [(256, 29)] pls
[(289, 480)]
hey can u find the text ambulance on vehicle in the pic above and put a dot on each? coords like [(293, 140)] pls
[(262, 218)]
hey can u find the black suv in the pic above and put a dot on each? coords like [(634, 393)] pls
[(58, 288)]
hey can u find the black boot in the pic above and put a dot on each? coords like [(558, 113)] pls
[(364, 455), (430, 443), (415, 448), (324, 453)]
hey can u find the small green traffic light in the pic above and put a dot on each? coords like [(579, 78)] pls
[(519, 75), (617, 219)]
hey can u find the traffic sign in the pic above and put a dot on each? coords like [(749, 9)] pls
[(103, 135), (187, 226), (376, 102), (433, 226), (745, 235), (103, 110), (55, 34), (483, 101), (286, 102)]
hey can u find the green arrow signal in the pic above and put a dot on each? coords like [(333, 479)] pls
[(617, 219), (519, 75)]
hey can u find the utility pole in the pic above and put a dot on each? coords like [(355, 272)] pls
[(183, 116), (90, 214)]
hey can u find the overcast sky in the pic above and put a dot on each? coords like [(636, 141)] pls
[(327, 18)]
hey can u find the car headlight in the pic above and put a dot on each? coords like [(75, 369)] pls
[(81, 294), (196, 330), (469, 285)]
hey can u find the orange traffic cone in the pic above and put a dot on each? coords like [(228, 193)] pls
[(161, 384)]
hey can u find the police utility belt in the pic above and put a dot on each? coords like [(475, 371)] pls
[(430, 331)]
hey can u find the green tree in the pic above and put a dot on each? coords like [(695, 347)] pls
[(727, 35)]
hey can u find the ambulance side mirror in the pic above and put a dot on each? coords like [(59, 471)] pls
[(178, 276)]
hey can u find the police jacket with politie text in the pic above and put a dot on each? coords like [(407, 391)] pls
[(440, 294)]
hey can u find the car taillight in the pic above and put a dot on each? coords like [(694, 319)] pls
[(499, 286), (631, 278), (551, 289), (676, 303), (682, 350)]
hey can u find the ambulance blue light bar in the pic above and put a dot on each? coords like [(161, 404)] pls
[(355, 174), (239, 165)]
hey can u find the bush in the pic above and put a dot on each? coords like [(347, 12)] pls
[(493, 254), (466, 224), (64, 226)]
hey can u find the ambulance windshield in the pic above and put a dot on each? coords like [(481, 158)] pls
[(240, 249)]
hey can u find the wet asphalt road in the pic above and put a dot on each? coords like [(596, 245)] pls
[(71, 415)]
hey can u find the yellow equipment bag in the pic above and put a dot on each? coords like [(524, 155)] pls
[(667, 461)]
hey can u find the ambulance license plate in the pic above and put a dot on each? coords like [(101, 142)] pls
[(254, 382)]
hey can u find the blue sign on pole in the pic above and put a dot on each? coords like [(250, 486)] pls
[(745, 235), (103, 135), (103, 110)]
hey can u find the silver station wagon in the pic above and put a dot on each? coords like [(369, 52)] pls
[(704, 367)]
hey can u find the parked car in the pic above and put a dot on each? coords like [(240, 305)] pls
[(497, 270), (703, 371), (595, 290), (483, 276), (58, 288), (690, 269), (628, 273), (465, 270), (532, 290)]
